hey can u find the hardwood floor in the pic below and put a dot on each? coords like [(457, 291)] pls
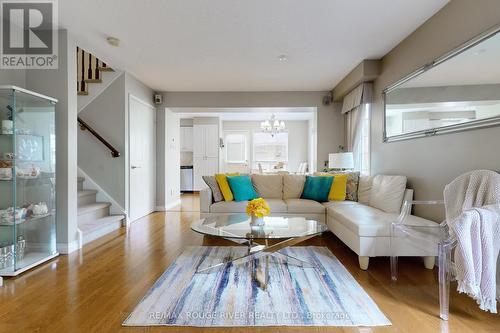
[(95, 289)]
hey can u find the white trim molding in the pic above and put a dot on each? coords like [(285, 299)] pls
[(67, 248), (168, 206)]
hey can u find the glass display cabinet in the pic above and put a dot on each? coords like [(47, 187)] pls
[(27, 180)]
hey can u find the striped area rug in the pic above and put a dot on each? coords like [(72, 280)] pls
[(326, 296)]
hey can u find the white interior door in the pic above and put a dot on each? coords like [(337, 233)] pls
[(142, 147)]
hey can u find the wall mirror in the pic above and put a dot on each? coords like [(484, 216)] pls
[(459, 91)]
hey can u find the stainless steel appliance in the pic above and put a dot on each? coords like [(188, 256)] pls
[(187, 178)]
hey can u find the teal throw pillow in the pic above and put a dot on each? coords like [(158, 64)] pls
[(317, 188), (242, 188)]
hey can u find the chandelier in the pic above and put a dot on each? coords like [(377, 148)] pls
[(272, 126)]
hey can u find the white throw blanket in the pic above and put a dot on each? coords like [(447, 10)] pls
[(472, 204)]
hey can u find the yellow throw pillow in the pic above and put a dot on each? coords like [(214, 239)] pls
[(221, 179), (339, 186)]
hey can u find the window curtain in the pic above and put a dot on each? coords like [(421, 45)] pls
[(353, 132), (356, 108)]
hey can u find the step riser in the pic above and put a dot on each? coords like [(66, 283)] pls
[(93, 235), (97, 222), (87, 199), (93, 215)]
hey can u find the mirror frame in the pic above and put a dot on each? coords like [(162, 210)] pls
[(475, 124)]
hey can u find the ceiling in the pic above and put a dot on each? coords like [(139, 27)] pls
[(234, 45), (477, 65)]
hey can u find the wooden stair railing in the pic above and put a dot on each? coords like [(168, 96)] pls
[(84, 126), (89, 70)]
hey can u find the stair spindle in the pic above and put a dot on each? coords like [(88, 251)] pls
[(96, 70), (78, 69), (89, 68), (82, 84)]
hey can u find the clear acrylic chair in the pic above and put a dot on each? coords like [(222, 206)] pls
[(409, 238)]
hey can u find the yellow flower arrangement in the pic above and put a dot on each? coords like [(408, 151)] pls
[(258, 207)]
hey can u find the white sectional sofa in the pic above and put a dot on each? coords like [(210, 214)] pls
[(363, 225)]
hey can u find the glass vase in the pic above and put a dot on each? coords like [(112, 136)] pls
[(256, 221)]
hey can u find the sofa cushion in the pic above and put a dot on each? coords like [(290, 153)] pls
[(387, 193), (366, 221), (363, 220), (214, 187), (337, 203), (229, 207), (242, 188), (317, 188), (268, 186), (276, 205), (304, 206), (293, 186), (364, 189), (224, 185), (339, 185), (351, 191), (338, 189)]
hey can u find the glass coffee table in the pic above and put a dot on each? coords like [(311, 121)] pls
[(283, 231)]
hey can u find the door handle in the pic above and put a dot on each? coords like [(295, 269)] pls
[(135, 167)]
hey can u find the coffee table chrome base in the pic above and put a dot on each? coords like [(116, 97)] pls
[(259, 253)]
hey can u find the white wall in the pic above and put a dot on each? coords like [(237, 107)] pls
[(313, 143), (61, 84), (108, 115), (430, 163), (330, 131), (298, 140), (168, 155), (13, 77)]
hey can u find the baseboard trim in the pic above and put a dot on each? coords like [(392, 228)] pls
[(67, 248), (168, 206)]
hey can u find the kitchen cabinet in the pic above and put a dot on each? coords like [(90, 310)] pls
[(186, 139), (205, 153)]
